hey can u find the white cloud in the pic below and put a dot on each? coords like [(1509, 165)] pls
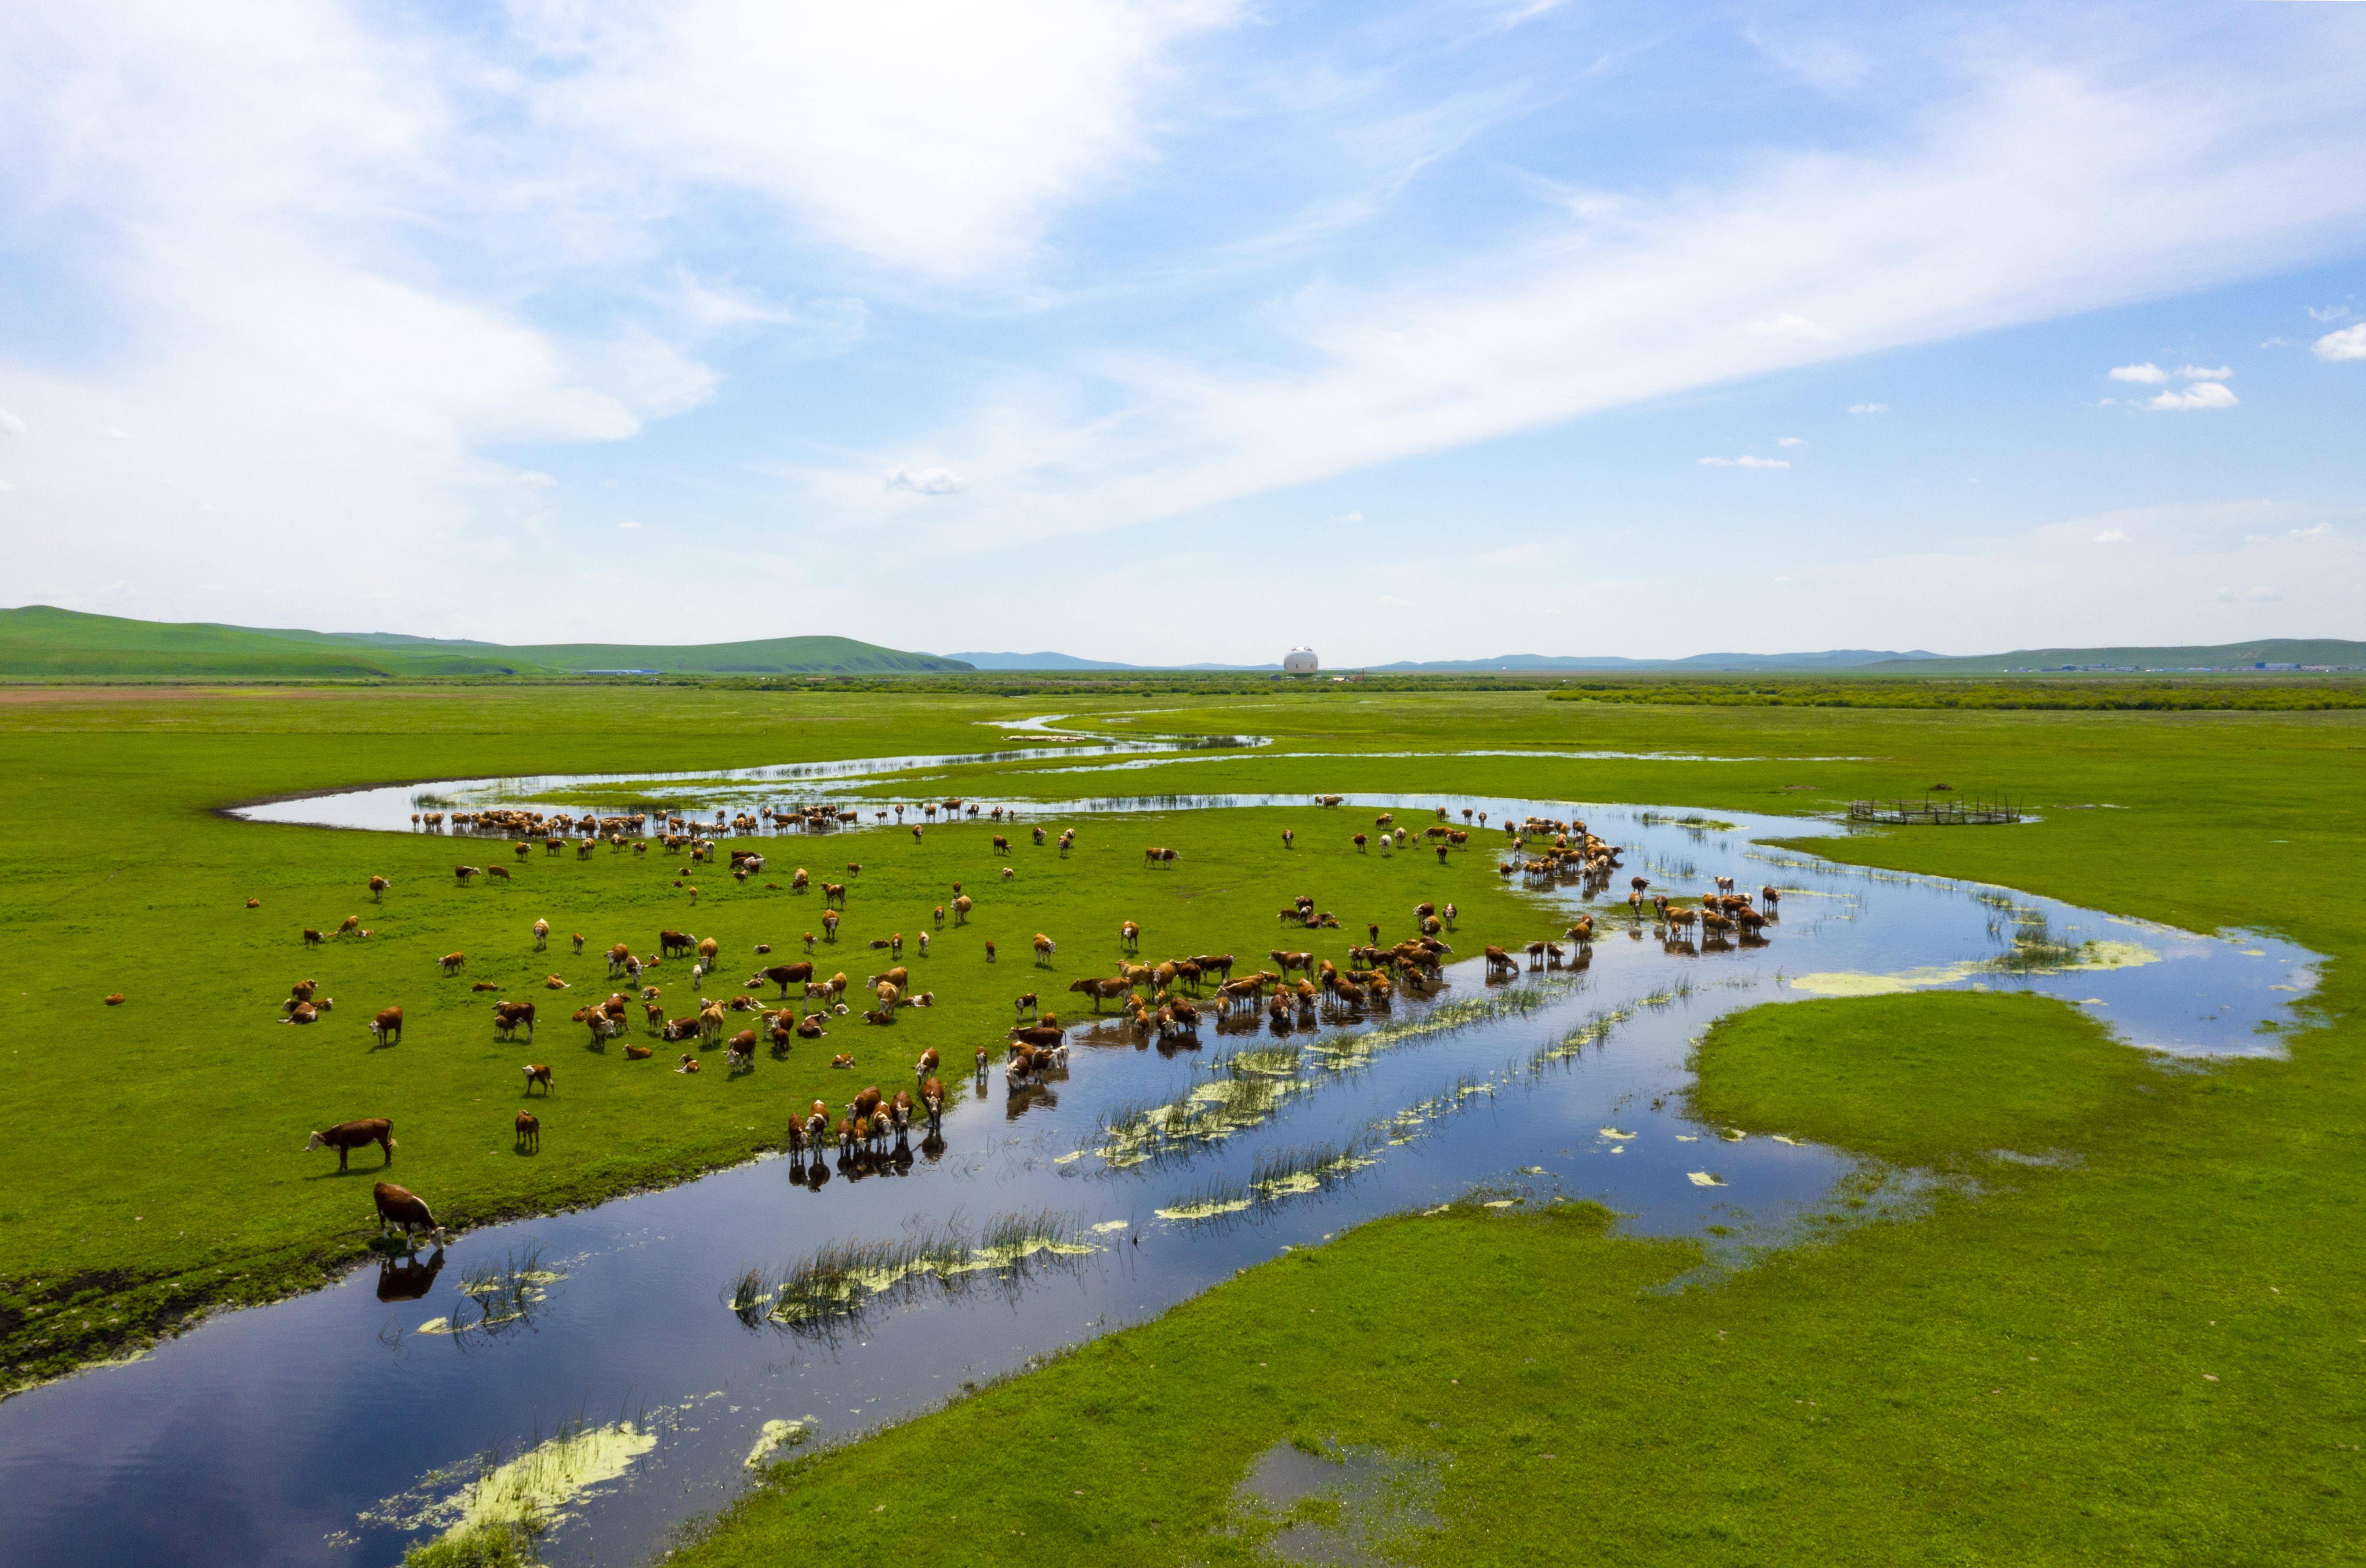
[(1868, 408), (1351, 517), (2200, 395), (935, 136), (1791, 324), (1745, 462), (926, 481), (2350, 343), (10, 425), (2148, 372), (2328, 312), (1393, 602), (2255, 596), (2111, 536), (2196, 373), (1789, 441), (627, 523)]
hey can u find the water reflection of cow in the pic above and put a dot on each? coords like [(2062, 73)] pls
[(1023, 1098), (410, 1279)]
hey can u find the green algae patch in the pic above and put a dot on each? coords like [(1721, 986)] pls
[(2025, 959), (1933, 1079)]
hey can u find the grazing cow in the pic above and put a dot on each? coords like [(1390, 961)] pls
[(1025, 1004), (578, 940), (1001, 845), (1045, 948), (787, 974), (707, 950), (529, 1126), (500, 873), (378, 887), (833, 890), (1583, 931), (1129, 936), (1499, 959), (541, 936), (312, 936), (536, 1073), (1041, 1037), (399, 1206), (989, 950), (1359, 844), (462, 872), (1769, 896), (962, 908), (741, 1053), (1290, 961), (671, 942), (386, 1027), (455, 962), (347, 1136), (619, 956)]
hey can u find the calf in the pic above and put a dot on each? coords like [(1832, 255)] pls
[(378, 887), (536, 1073), (529, 1127), (455, 962), (347, 1136), (386, 1027)]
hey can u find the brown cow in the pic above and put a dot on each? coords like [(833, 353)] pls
[(529, 1126), (455, 962), (787, 974), (399, 1206), (1099, 990), (637, 1052), (347, 1136), (536, 1073), (312, 936), (378, 887), (671, 942), (386, 1027)]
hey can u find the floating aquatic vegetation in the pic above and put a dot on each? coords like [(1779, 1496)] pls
[(1703, 1179), (2049, 958), (1597, 1027), (503, 1294), (1237, 1099), (1284, 1173), (774, 1435), (1614, 1133), (1108, 1225), (1344, 1051), (527, 1494), (1404, 1126), (842, 1279)]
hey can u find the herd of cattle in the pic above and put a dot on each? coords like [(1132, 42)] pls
[(1165, 1000)]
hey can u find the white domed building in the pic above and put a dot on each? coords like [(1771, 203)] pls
[(1300, 661)]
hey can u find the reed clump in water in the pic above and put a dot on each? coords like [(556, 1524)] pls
[(841, 1280)]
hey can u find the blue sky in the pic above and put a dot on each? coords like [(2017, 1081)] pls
[(1191, 330)]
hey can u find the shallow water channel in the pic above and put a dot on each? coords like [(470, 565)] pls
[(597, 1358)]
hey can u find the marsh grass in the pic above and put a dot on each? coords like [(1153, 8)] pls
[(842, 1280)]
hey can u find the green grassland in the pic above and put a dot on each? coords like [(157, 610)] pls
[(2145, 1349)]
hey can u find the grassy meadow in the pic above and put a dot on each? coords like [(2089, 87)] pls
[(2144, 1347)]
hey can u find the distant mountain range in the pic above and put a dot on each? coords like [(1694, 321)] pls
[(1831, 659), (41, 641), (2328, 654)]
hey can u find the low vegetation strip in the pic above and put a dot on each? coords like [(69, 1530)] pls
[(2089, 693)]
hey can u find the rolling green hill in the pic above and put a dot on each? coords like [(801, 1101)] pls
[(42, 642), (2332, 651)]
